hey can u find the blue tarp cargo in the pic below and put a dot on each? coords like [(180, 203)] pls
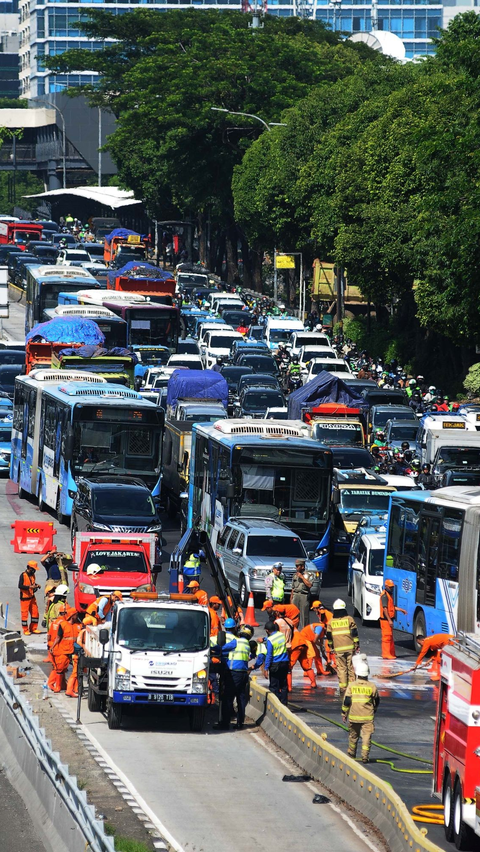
[(196, 384), (137, 269), (67, 330), (123, 233), (323, 388)]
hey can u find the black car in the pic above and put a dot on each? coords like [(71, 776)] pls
[(8, 374), (69, 239), (254, 401), (6, 250), (237, 319), (47, 253), (49, 225), (380, 396), (248, 350), (12, 356), (120, 504), (187, 346), (264, 380), (232, 375), (259, 364), (95, 251), (351, 458)]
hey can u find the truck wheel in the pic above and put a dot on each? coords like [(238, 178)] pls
[(243, 594), (419, 629), (21, 492), (197, 719), (462, 834), (41, 503), (114, 715), (61, 518), (94, 700), (447, 800)]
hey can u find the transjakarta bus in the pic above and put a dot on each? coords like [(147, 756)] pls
[(66, 429), (44, 283), (261, 468), (433, 557)]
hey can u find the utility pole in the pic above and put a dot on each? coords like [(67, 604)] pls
[(99, 146)]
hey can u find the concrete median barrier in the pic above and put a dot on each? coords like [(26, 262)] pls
[(349, 780)]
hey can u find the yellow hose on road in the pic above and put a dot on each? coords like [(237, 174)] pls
[(408, 771), (429, 814)]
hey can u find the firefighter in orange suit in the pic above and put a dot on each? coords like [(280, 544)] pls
[(28, 603), (387, 614), (433, 645), (62, 649)]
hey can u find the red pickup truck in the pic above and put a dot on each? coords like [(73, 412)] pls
[(104, 562)]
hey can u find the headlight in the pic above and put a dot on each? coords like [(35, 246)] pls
[(155, 528), (122, 679), (146, 588), (375, 590), (71, 494), (105, 527), (86, 589), (200, 681), (322, 551), (259, 572)]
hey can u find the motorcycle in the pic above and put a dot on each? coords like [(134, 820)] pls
[(294, 383)]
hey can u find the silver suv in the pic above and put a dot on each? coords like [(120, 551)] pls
[(249, 547)]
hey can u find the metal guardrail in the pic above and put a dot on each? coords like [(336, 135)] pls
[(363, 790), (75, 800)]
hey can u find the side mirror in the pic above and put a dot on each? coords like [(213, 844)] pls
[(311, 554), (237, 551), (72, 567), (336, 498), (184, 495), (68, 452), (357, 566), (103, 636)]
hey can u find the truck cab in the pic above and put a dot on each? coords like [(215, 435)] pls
[(355, 494), (445, 432), (153, 652), (335, 423), (125, 563)]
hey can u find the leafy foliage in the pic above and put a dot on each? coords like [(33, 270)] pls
[(472, 380)]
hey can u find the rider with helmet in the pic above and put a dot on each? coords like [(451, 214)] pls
[(217, 368), (412, 386)]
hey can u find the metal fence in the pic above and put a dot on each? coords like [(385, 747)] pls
[(54, 784)]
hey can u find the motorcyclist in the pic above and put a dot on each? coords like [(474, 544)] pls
[(416, 403), (379, 439), (431, 395), (400, 466), (411, 387), (281, 355), (294, 371), (407, 451), (426, 479), (217, 368), (441, 404)]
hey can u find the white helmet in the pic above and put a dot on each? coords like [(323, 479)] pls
[(339, 604), (432, 389), (362, 670), (62, 589), (412, 382), (93, 569)]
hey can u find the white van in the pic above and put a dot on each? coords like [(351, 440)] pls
[(367, 575), (279, 330), (440, 431), (217, 343), (308, 338)]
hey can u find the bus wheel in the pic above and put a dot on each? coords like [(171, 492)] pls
[(447, 799), (114, 715), (419, 629), (462, 834), (61, 518), (94, 700), (41, 502)]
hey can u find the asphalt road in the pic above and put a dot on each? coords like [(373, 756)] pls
[(17, 832)]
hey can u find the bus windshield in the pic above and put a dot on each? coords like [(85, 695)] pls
[(150, 629), (149, 329), (279, 335), (111, 439), (339, 433), (357, 500)]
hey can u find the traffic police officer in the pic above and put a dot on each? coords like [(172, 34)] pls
[(236, 652), (342, 638), (360, 704), (277, 661), (275, 584)]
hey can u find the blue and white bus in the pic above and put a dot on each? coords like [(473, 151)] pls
[(261, 468), (66, 429), (432, 555), (44, 283)]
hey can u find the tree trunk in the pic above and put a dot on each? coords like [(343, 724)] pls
[(202, 237), (232, 256)]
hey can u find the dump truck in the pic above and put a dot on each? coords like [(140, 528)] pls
[(145, 279), (335, 423), (115, 368), (122, 238), (153, 652), (126, 562)]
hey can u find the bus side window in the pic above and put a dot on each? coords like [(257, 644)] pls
[(451, 542)]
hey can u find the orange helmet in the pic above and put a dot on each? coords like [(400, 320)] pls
[(267, 605), (32, 564), (317, 605), (70, 612), (389, 583), (117, 595), (193, 585), (214, 599), (89, 619)]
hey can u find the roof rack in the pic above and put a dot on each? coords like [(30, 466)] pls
[(83, 311), (117, 391), (66, 376), (272, 428)]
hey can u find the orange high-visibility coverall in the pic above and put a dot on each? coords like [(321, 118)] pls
[(289, 611), (434, 644), (303, 652), (388, 647)]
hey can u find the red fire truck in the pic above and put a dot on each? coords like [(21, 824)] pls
[(456, 753)]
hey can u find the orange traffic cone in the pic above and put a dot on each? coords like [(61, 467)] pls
[(180, 584), (250, 613)]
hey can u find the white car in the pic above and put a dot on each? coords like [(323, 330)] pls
[(73, 257), (336, 366), (189, 362), (308, 353), (217, 344), (211, 326), (308, 338), (155, 373), (367, 576)]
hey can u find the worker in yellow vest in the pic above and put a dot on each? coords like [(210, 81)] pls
[(342, 639), (360, 703)]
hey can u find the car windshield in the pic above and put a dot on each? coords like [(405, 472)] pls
[(375, 562), (308, 354), (346, 459), (459, 457), (77, 255), (262, 399), (329, 366), (124, 503), (222, 341), (259, 379), (237, 318), (232, 375), (120, 561), (178, 361), (275, 546), (206, 418), (380, 417), (167, 629), (304, 340), (363, 500), (404, 433), (260, 363), (187, 347), (338, 433), (257, 333), (278, 335)]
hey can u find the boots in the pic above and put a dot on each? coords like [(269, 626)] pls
[(311, 676), (54, 681), (72, 685)]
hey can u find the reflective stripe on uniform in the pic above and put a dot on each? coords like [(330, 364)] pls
[(340, 630)]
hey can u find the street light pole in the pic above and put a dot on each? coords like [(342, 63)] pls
[(250, 115), (64, 139)]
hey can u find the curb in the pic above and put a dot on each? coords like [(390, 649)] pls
[(349, 780)]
